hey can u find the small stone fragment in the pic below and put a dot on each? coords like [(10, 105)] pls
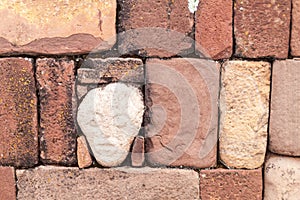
[(295, 39), (7, 183), (83, 155), (138, 152)]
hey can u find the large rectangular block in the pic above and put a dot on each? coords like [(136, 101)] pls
[(284, 128), (182, 99), (214, 28), (118, 183), (56, 27), (57, 129), (295, 39), (282, 178), (244, 107), (18, 113), (7, 183), (231, 184), (262, 28)]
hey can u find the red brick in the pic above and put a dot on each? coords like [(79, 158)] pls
[(182, 100), (295, 40), (56, 87), (7, 183), (231, 184), (18, 113), (262, 28), (214, 28), (148, 24)]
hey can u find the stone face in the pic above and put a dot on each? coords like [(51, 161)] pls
[(285, 111), (18, 113), (262, 28), (110, 118), (155, 28), (118, 183), (244, 107), (56, 27), (295, 40), (282, 178), (83, 154), (7, 183), (182, 96), (138, 152), (58, 138), (214, 28), (231, 184)]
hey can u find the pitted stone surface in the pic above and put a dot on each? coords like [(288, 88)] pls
[(244, 110), (7, 183), (18, 113), (284, 128), (117, 183), (110, 118), (83, 154), (282, 178)]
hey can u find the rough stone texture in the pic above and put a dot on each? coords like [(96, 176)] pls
[(231, 184), (295, 39), (58, 138), (214, 28), (155, 28), (244, 110), (110, 118), (118, 183), (284, 128), (138, 152), (7, 183), (182, 96), (56, 27), (83, 154), (261, 28), (18, 113), (282, 178)]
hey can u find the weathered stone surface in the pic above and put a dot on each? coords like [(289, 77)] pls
[(18, 113), (214, 28), (284, 128), (138, 152), (58, 138), (182, 96), (282, 178), (261, 28), (231, 184), (56, 27), (244, 110), (295, 39), (83, 155), (110, 118), (118, 183), (7, 183), (155, 28)]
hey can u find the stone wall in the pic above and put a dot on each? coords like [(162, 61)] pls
[(140, 99)]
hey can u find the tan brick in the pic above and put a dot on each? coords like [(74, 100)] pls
[(56, 27), (295, 40), (244, 107), (83, 154), (284, 128), (58, 138), (7, 183), (231, 184), (18, 113), (118, 183)]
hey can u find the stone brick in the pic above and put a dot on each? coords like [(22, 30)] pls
[(138, 152), (295, 40), (284, 128), (261, 28), (56, 27), (155, 28), (214, 28), (7, 183), (231, 184), (58, 138), (118, 183), (18, 113), (182, 96), (244, 108), (282, 178), (83, 153)]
